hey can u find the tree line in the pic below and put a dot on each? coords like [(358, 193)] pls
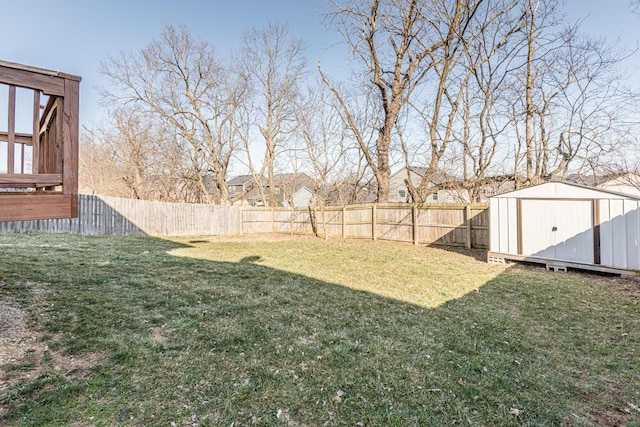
[(480, 90)]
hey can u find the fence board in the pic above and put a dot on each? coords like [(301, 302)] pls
[(443, 224), (109, 215)]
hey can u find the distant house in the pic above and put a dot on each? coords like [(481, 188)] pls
[(620, 182), (291, 189), (239, 184), (399, 193), (448, 189), (350, 191)]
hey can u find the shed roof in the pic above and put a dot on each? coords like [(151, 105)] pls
[(564, 190)]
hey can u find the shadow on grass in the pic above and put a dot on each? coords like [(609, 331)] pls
[(199, 342), (477, 254)]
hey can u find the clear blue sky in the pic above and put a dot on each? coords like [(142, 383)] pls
[(75, 35)]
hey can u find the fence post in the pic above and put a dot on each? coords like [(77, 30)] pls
[(414, 220), (273, 220), (374, 221), (241, 220), (344, 222), (467, 220)]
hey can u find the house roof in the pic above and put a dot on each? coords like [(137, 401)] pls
[(290, 183), (240, 180), (297, 179), (437, 178), (599, 179)]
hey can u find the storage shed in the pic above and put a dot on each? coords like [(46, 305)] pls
[(566, 225)]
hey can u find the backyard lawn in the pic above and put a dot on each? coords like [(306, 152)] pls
[(306, 332)]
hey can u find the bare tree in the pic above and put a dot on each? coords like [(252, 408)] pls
[(181, 81), (133, 155), (322, 132), (459, 69), (130, 143), (99, 173), (398, 43), (571, 116), (273, 63)]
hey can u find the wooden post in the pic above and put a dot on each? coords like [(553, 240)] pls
[(374, 221), (69, 135), (241, 220), (21, 158), (467, 220), (414, 219), (11, 122), (35, 137), (344, 222), (291, 221), (273, 220)]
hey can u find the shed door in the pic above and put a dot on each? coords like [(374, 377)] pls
[(558, 229)]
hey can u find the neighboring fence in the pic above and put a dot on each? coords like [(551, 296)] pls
[(445, 224), (111, 215)]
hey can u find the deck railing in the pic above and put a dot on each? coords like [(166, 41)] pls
[(38, 143)]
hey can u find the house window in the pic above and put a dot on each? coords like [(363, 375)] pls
[(402, 193), (488, 191), (434, 196), (277, 190)]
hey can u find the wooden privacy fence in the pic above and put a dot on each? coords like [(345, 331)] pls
[(465, 225), (442, 224), (112, 215)]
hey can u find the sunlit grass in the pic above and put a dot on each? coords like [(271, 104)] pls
[(143, 331), (417, 275)]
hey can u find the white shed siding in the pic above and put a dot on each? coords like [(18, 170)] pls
[(534, 220), (606, 235), (574, 235), (513, 225), (606, 232), (570, 210), (615, 227), (632, 214), (497, 215), (503, 225), (619, 233), (558, 229)]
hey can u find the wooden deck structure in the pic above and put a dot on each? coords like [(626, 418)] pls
[(38, 143)]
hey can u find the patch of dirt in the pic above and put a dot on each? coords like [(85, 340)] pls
[(604, 415), (612, 416), (630, 287), (23, 353)]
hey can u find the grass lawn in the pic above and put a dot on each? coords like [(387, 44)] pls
[(303, 332)]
